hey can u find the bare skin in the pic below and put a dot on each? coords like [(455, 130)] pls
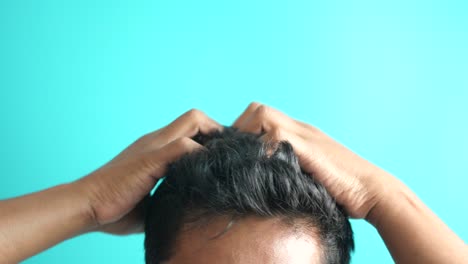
[(251, 240), (411, 231), (108, 199)]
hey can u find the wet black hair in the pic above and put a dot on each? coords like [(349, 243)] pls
[(238, 174)]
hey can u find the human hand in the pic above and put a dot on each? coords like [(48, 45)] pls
[(355, 183), (116, 191)]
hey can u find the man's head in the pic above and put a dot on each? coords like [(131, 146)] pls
[(243, 200)]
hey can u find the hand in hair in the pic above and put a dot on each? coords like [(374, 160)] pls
[(411, 231), (355, 183), (109, 199), (117, 190)]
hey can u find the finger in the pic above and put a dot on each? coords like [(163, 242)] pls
[(187, 125), (300, 146), (192, 122), (265, 118), (161, 157), (309, 156), (246, 114)]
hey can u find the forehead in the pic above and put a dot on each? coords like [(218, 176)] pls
[(249, 240)]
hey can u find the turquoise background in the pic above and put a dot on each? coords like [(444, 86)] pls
[(80, 80)]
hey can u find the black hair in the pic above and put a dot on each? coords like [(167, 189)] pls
[(239, 174)]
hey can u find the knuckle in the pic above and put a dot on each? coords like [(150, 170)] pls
[(254, 105), (262, 111), (145, 137), (195, 114)]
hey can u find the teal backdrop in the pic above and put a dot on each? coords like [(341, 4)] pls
[(81, 80)]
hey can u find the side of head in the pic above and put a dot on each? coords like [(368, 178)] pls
[(243, 200)]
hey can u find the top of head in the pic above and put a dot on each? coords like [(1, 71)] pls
[(240, 175)]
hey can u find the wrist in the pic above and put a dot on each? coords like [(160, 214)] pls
[(392, 195), (84, 207)]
